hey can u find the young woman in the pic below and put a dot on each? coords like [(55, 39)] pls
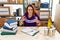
[(30, 18)]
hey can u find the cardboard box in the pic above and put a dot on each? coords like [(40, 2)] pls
[(2, 21)]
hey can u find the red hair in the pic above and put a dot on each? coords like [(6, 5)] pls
[(34, 11)]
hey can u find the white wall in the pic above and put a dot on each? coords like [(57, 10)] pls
[(55, 2), (13, 7)]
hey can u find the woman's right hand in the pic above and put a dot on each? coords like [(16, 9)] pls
[(22, 20)]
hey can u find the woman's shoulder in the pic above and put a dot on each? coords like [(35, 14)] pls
[(36, 14), (25, 14)]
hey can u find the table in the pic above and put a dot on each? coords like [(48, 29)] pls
[(22, 36)]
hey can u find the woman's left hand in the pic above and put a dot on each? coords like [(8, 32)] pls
[(36, 20)]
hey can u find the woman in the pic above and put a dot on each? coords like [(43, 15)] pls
[(30, 18)]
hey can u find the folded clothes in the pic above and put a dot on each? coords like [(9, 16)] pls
[(44, 5), (10, 26), (11, 21), (8, 32), (4, 27)]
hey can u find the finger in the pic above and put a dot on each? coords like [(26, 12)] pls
[(36, 17), (23, 16)]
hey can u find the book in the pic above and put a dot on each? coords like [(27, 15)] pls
[(30, 31)]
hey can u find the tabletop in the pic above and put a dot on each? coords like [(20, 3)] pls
[(22, 36)]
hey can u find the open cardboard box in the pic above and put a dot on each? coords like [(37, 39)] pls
[(2, 21), (57, 18)]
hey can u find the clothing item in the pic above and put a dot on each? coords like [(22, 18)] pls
[(30, 21)]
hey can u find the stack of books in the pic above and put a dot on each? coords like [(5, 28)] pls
[(9, 28)]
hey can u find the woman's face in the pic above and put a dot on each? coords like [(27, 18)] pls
[(30, 10)]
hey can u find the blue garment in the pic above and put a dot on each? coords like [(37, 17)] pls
[(11, 21), (29, 21), (4, 27)]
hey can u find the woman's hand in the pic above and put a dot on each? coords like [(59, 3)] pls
[(22, 20), (37, 21)]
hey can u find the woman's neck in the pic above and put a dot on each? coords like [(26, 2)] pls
[(29, 15)]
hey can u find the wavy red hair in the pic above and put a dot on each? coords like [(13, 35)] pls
[(34, 11)]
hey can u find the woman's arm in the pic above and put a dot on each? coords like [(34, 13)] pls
[(37, 19)]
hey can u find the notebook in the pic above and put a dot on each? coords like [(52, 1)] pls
[(30, 31)]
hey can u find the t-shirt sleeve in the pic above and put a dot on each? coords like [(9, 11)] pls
[(24, 15), (37, 16)]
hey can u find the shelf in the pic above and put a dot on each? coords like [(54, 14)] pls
[(13, 3), (44, 8)]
